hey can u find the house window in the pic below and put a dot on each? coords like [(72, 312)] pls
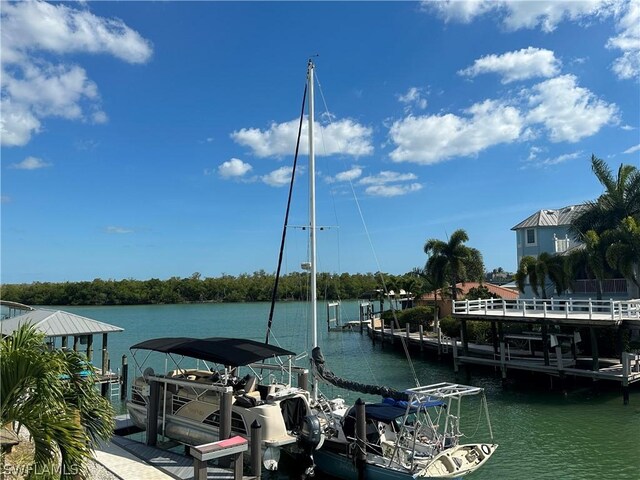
[(531, 236)]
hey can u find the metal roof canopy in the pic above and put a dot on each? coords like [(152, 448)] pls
[(57, 323), (234, 352)]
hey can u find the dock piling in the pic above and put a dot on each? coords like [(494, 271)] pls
[(256, 449), (124, 378)]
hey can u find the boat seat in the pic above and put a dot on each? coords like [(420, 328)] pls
[(250, 386)]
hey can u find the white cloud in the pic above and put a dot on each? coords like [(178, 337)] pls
[(431, 139), (30, 163), (346, 176), (392, 190), (567, 111), (518, 65), (387, 177), (627, 128), (234, 168), (389, 184), (279, 177), (634, 149), (533, 161), (515, 15), (118, 230), (549, 13), (5, 199), (414, 97), (341, 137), (33, 26), (628, 65), (33, 88)]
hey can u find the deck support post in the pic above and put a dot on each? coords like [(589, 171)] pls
[(559, 357), (152, 413), (256, 449), (124, 378), (393, 332), (454, 344), (503, 364), (105, 365), (76, 340), (421, 332), (465, 337), (595, 363), (361, 438), (105, 354), (545, 343), (494, 337), (89, 348), (626, 367)]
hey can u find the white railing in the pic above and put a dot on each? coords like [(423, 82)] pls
[(553, 308)]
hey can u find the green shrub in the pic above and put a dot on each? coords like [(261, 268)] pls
[(414, 316), (479, 332), (450, 326)]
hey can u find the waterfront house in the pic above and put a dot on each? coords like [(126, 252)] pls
[(442, 297), (548, 231)]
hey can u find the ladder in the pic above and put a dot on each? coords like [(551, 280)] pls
[(114, 387)]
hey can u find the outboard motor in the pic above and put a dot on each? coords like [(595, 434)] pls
[(311, 434), (311, 438)]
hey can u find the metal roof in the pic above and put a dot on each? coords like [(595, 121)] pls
[(57, 323), (552, 218), (225, 351)]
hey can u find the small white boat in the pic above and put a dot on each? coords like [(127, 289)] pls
[(457, 461)]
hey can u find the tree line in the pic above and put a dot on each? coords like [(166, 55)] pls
[(256, 287)]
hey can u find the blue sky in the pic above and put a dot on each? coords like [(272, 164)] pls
[(154, 139)]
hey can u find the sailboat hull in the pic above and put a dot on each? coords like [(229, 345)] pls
[(343, 467)]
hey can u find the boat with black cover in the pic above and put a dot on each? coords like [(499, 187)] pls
[(254, 377)]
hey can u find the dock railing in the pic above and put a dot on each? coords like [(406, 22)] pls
[(552, 308)]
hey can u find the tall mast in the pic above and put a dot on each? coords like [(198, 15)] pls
[(312, 227)]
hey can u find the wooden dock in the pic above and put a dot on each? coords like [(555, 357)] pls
[(126, 454), (556, 353)]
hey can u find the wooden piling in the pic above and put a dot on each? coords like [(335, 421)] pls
[(454, 344), (89, 348), (595, 361), (152, 413), (226, 400), (256, 449), (124, 378), (465, 337), (545, 343), (421, 330), (494, 337), (503, 361)]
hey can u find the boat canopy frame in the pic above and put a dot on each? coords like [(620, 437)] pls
[(231, 352)]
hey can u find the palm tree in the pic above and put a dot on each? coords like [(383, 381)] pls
[(43, 391), (621, 199), (623, 251), (452, 261), (592, 258), (537, 270)]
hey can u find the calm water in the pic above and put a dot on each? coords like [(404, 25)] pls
[(542, 435)]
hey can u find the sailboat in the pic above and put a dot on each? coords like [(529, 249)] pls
[(414, 433)]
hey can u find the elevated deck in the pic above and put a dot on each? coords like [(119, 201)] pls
[(589, 313)]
